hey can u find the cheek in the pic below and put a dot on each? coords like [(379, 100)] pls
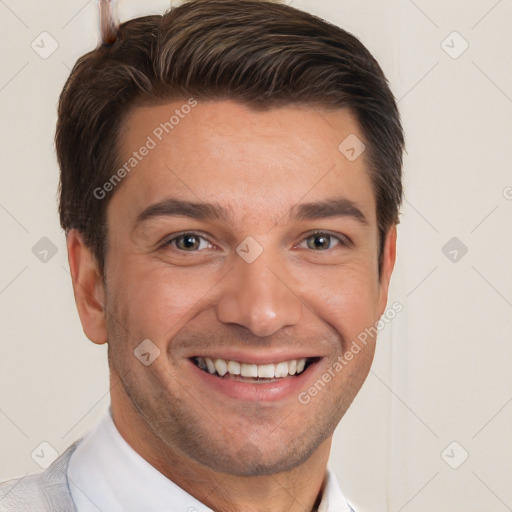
[(347, 299), (156, 301)]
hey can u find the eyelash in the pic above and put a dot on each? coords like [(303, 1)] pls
[(343, 241), (169, 241)]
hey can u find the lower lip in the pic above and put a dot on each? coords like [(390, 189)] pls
[(261, 391)]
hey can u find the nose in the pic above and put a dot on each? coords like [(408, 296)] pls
[(259, 296)]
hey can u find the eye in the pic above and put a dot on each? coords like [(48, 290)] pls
[(189, 242), (321, 241)]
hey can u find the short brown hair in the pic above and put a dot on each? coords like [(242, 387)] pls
[(261, 53)]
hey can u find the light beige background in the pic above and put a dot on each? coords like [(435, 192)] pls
[(443, 367)]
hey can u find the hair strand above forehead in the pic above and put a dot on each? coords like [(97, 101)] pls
[(109, 24)]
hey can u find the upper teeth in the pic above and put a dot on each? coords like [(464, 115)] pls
[(269, 371)]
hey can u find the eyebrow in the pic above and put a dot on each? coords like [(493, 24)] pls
[(180, 208), (338, 207)]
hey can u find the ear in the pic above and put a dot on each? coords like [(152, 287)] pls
[(88, 287), (388, 263)]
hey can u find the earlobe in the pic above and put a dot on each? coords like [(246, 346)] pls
[(88, 287), (388, 263)]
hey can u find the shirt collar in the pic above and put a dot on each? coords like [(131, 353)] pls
[(106, 473)]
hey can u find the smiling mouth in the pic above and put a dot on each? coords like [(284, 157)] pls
[(248, 372)]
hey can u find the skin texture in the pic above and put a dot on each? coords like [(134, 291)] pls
[(232, 454)]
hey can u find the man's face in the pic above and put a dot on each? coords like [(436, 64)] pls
[(265, 280)]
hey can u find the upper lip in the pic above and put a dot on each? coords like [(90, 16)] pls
[(257, 357)]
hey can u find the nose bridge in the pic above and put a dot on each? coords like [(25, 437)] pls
[(257, 296)]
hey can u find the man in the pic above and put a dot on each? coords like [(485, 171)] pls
[(230, 187)]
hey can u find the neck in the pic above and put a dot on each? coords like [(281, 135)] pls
[(297, 490)]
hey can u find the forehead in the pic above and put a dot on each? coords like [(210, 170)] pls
[(256, 164)]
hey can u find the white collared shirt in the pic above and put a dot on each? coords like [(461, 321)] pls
[(107, 475)]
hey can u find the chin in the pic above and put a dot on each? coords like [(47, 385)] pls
[(262, 458)]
